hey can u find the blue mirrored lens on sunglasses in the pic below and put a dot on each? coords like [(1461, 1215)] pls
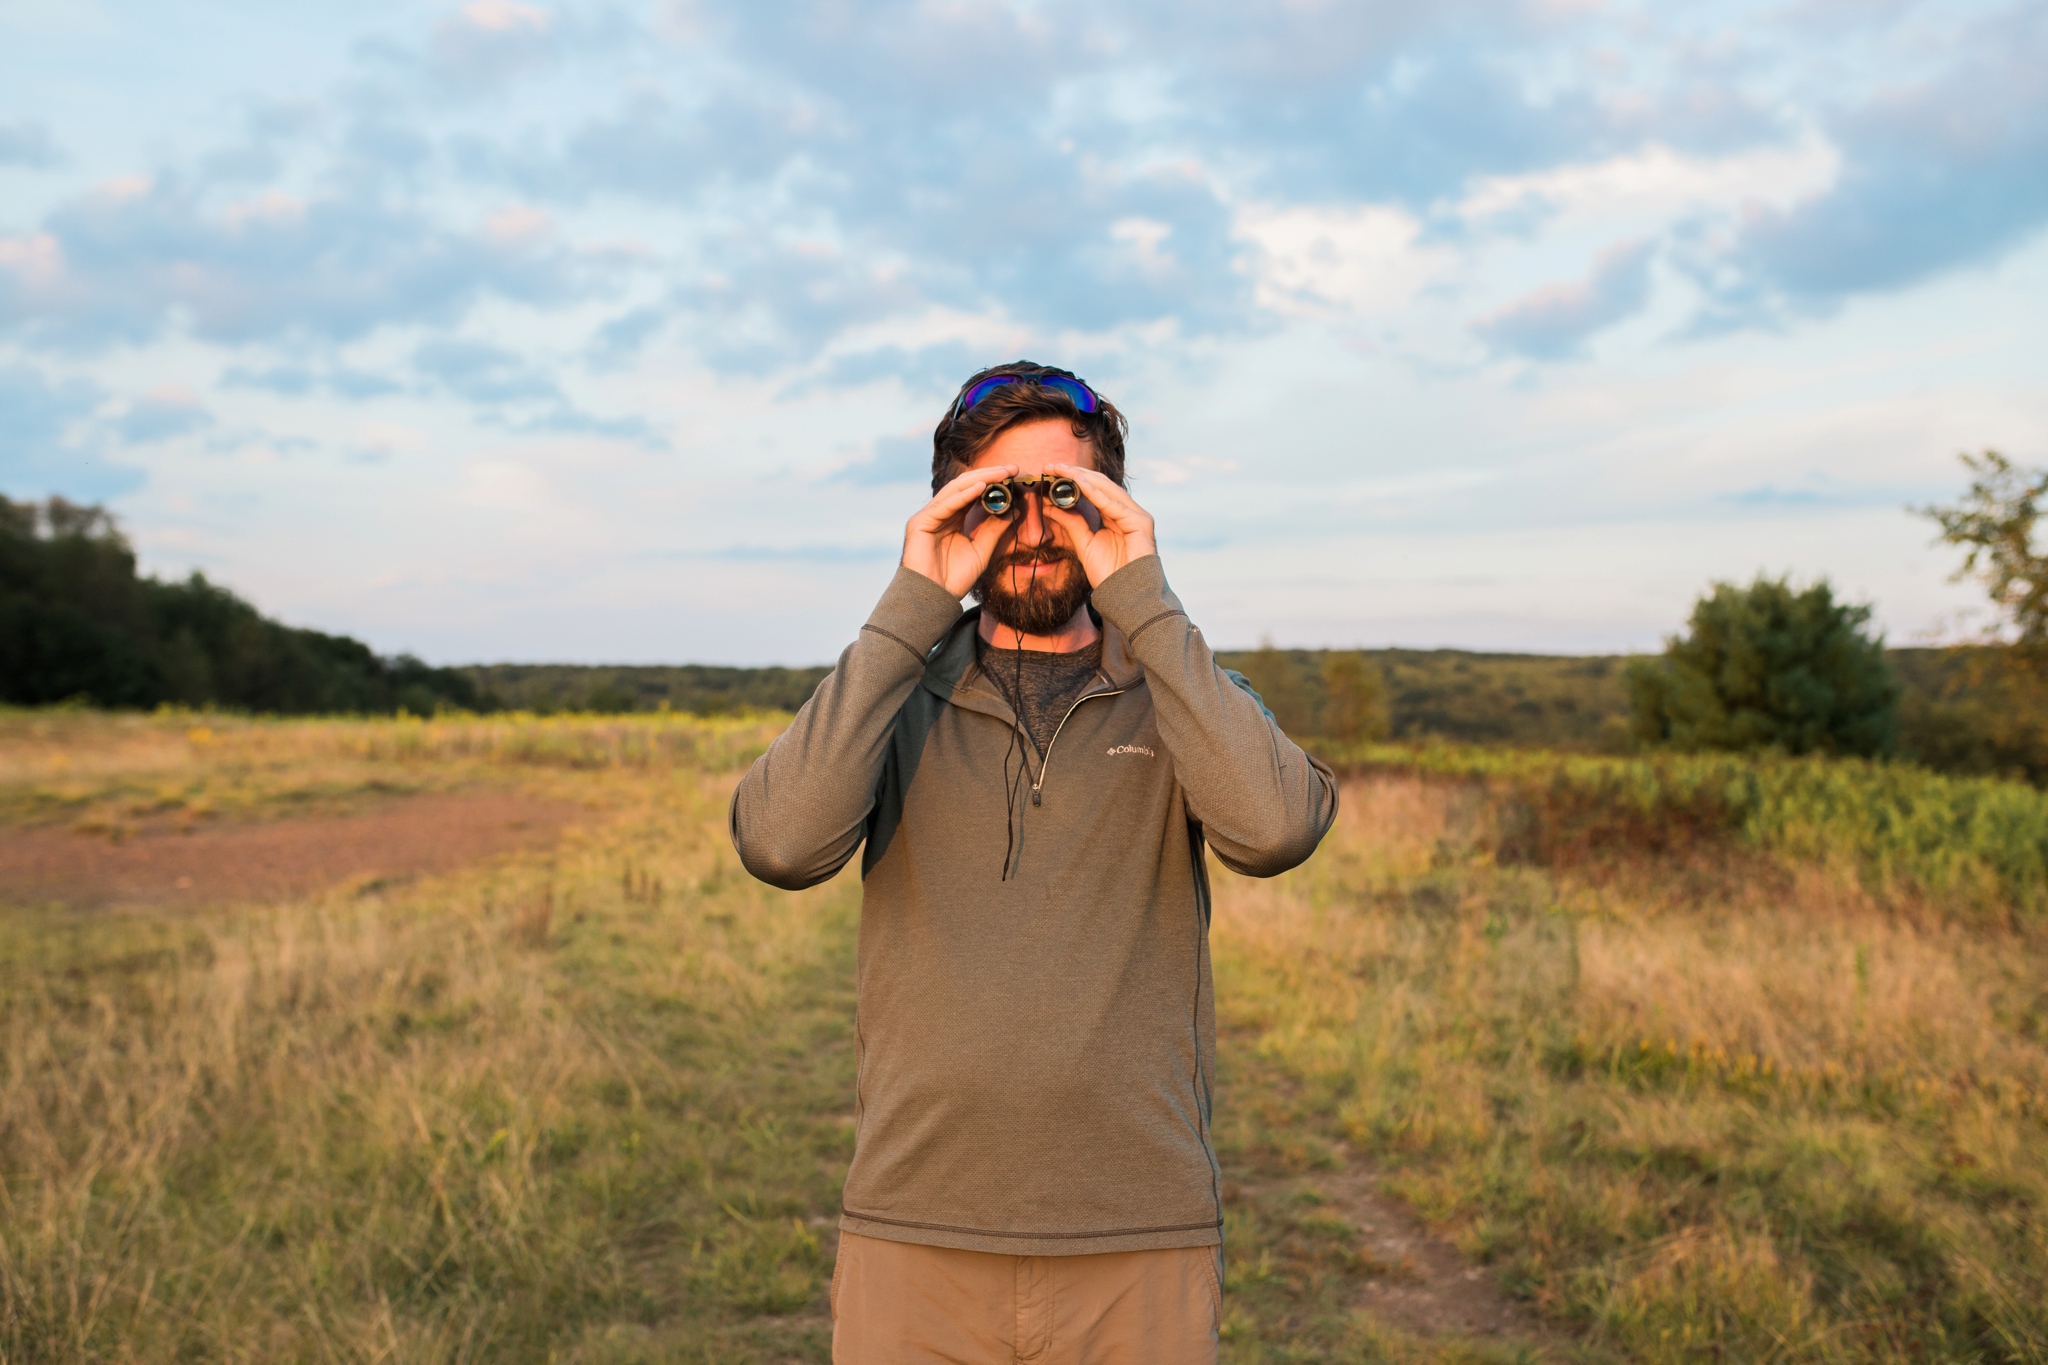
[(1083, 396)]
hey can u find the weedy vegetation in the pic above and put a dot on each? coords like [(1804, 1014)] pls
[(1702, 1059)]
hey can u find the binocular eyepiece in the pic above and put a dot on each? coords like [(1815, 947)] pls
[(998, 498)]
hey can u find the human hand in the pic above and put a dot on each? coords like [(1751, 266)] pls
[(1126, 530), (937, 542)]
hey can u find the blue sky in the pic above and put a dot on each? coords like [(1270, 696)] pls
[(510, 330)]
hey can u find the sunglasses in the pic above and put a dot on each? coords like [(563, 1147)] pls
[(1083, 396)]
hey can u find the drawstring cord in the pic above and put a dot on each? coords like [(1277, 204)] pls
[(1012, 817)]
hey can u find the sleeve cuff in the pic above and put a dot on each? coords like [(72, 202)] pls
[(1135, 594), (915, 610)]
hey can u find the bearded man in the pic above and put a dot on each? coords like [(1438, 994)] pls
[(1035, 783)]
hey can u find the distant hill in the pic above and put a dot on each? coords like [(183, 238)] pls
[(703, 689), (1526, 700), (1952, 717), (1521, 699), (1964, 709)]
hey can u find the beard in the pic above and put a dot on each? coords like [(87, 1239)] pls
[(1041, 608)]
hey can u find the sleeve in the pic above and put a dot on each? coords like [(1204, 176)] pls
[(1263, 804), (800, 811)]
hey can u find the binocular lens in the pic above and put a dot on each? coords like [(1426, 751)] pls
[(998, 498)]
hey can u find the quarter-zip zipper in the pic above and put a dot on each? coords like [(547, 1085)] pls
[(1045, 761)]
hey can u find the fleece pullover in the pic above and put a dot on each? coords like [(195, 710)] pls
[(1037, 1041)]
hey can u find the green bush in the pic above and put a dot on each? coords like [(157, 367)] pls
[(1768, 667)]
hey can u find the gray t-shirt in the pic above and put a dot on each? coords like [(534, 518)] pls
[(1040, 687)]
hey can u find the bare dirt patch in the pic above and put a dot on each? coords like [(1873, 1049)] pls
[(276, 860), (1432, 1290)]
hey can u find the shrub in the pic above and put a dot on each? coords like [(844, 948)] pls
[(1768, 667)]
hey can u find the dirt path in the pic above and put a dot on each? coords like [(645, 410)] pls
[(274, 860), (1434, 1291)]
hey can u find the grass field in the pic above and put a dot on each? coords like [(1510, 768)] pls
[(1670, 1079)]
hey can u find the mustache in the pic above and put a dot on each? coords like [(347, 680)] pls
[(1046, 552)]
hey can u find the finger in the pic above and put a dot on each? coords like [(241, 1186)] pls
[(980, 477), (959, 494), (984, 537), (1109, 497), (1099, 486), (1074, 520)]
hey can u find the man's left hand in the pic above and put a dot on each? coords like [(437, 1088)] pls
[(1126, 532)]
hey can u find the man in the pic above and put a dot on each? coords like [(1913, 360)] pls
[(1035, 782)]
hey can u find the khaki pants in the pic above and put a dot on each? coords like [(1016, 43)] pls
[(898, 1303)]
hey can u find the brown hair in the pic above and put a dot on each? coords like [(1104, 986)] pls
[(959, 442)]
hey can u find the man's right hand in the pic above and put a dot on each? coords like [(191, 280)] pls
[(937, 543)]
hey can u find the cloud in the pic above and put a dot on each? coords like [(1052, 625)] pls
[(802, 554), (123, 262), (484, 47), (935, 368), (162, 414), (47, 442), (567, 420), (28, 145), (618, 341), (1656, 183), (488, 42), (1359, 260), (297, 381), (893, 460), (1769, 495), (1554, 322), (660, 149), (1936, 174), (817, 176), (484, 374), (515, 393)]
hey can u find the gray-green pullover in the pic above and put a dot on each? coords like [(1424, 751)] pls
[(1037, 1051)]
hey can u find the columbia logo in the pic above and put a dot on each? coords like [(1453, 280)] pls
[(1115, 749)]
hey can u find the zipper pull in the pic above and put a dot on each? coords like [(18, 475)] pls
[(1036, 798)]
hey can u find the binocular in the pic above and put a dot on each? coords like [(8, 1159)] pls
[(998, 498)]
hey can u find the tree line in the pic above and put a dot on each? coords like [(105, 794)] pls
[(1767, 665), (1763, 666), (77, 623)]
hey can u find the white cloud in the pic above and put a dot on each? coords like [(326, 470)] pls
[(1360, 260), (1657, 184)]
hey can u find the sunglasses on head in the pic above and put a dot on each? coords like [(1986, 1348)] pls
[(1083, 396)]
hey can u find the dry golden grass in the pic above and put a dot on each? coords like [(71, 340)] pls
[(590, 1103), (1772, 1122), (585, 1102)]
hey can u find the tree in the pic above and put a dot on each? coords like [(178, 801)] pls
[(1769, 667), (1989, 711), (1994, 523), (1354, 698), (76, 621), (1276, 677)]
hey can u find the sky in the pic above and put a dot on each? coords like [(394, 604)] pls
[(509, 331)]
